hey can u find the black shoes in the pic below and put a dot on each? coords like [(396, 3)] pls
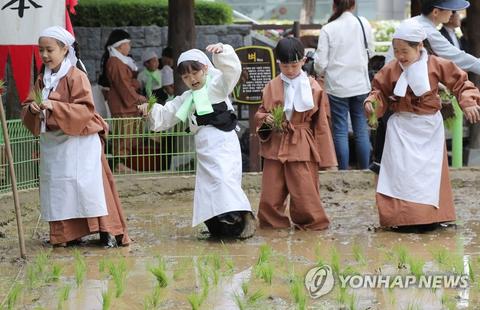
[(374, 167), (108, 240)]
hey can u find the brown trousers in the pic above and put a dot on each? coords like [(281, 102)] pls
[(300, 180)]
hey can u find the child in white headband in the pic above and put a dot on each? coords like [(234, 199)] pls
[(413, 186), (77, 192), (219, 200)]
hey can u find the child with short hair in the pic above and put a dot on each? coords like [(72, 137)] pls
[(293, 153), (166, 65), (219, 200), (414, 186), (77, 190)]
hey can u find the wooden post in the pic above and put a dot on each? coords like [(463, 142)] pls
[(254, 143), (296, 29), (13, 179)]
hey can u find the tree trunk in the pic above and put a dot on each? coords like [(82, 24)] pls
[(415, 8), (473, 24), (307, 12), (181, 32)]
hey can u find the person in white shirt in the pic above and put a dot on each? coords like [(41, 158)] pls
[(448, 30), (342, 58)]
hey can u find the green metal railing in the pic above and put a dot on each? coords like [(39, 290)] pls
[(131, 149)]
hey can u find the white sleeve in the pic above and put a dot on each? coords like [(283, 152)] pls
[(443, 48), (167, 75), (162, 117), (321, 54), (230, 66)]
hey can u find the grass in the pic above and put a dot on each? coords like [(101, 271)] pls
[(196, 300), (277, 114), (80, 267), (36, 271), (297, 291), (160, 273), (13, 296)]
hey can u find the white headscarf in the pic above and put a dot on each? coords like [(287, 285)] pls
[(51, 79), (197, 55), (112, 49), (298, 94), (416, 74)]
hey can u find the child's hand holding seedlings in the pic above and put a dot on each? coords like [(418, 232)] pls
[(269, 119), (143, 109), (472, 114)]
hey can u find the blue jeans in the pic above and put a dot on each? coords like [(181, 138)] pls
[(340, 108)]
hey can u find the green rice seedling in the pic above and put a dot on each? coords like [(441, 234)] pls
[(412, 306), (196, 300), (265, 272), (342, 295), (319, 261), (63, 295), (265, 254), (277, 114), (151, 100), (13, 296), (358, 254), (37, 96), (118, 271), (373, 119), (80, 267), (246, 301), (448, 302), (352, 301), (102, 264), (106, 299), (153, 300), (402, 256), (335, 261), (32, 276), (471, 272), (160, 272), (180, 269), (228, 261), (55, 273), (298, 293), (416, 266), (441, 256)]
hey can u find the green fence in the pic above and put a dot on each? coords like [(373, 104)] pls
[(131, 149)]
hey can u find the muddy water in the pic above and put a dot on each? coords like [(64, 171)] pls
[(159, 217)]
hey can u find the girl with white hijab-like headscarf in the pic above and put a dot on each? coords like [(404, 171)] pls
[(77, 194), (219, 200), (413, 186)]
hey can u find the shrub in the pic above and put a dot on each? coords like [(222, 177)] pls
[(121, 13)]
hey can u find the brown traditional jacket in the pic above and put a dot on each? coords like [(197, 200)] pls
[(122, 96), (306, 137), (73, 108), (439, 70)]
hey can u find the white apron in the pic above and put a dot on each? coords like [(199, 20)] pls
[(71, 182), (218, 183), (412, 158)]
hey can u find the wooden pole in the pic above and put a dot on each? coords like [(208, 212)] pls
[(13, 178)]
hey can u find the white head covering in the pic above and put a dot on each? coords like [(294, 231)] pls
[(416, 74), (51, 79), (410, 30), (148, 54), (197, 55), (112, 49)]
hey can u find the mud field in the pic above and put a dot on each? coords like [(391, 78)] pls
[(171, 265)]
